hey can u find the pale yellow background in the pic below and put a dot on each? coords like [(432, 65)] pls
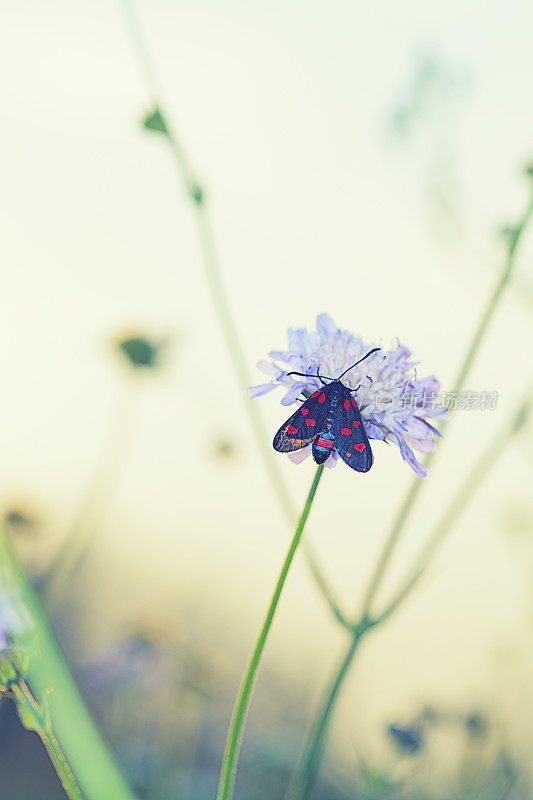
[(284, 109)]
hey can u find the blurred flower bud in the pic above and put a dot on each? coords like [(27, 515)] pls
[(408, 739), (225, 449), (196, 192), (22, 517), (140, 351), (154, 121), (475, 725), (429, 715)]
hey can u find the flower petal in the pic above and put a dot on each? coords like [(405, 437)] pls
[(372, 431), (294, 392), (262, 388), (279, 355), (410, 458), (300, 455), (325, 326), (268, 368), (332, 459)]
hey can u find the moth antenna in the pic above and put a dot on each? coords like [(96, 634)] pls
[(374, 350), (307, 375)]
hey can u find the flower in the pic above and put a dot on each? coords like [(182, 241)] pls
[(395, 404)]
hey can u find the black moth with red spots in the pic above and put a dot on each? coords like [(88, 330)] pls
[(329, 419)]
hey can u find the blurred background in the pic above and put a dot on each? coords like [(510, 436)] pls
[(363, 160)]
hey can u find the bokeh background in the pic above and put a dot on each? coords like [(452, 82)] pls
[(359, 159)]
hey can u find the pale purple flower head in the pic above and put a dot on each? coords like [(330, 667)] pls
[(394, 402)]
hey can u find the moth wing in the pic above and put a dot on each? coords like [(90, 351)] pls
[(304, 425), (351, 441)]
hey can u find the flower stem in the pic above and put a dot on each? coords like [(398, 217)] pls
[(302, 784), (234, 738), (468, 488), (221, 303), (84, 750), (303, 781), (37, 718), (414, 490)]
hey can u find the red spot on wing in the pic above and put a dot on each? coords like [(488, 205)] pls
[(305, 411), (292, 429), (315, 393), (346, 431), (359, 447), (321, 398), (348, 454), (346, 404), (354, 404), (327, 443), (356, 423), (310, 422)]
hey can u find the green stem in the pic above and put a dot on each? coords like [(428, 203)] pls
[(37, 719), (488, 459), (406, 507), (84, 749), (234, 738), (302, 784), (221, 303), (310, 764)]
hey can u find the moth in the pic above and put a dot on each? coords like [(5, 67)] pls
[(329, 419)]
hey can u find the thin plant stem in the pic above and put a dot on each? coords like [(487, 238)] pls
[(302, 785), (84, 749), (303, 780), (221, 303), (97, 496), (483, 466), (234, 738), (406, 507), (37, 718)]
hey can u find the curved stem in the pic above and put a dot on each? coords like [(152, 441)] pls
[(406, 507), (84, 749), (234, 738), (37, 719), (221, 303), (477, 474), (302, 784)]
